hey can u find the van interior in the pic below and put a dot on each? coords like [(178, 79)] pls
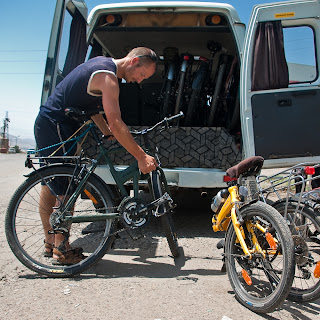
[(210, 77)]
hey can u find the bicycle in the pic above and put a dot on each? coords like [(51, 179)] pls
[(201, 87), (258, 247), (301, 211), (171, 60), (87, 215)]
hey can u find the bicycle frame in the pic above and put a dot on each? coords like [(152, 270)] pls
[(132, 172), (228, 213)]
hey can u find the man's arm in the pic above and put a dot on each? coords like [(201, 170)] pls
[(108, 85), (102, 124)]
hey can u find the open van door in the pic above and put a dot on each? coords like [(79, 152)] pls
[(67, 45), (280, 94)]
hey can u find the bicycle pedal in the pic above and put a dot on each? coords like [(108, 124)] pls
[(223, 268), (157, 214), (220, 244)]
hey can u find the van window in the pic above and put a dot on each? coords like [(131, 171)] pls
[(299, 47), (64, 40), (270, 70), (73, 43)]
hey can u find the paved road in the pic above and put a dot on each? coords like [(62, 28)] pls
[(137, 280)]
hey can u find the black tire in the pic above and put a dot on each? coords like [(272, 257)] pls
[(305, 228), (190, 114), (167, 99), (158, 189), (271, 275), (25, 233)]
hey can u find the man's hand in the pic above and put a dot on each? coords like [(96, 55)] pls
[(147, 164)]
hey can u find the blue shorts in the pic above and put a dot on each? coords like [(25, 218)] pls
[(48, 132)]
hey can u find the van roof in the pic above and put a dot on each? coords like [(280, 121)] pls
[(168, 6)]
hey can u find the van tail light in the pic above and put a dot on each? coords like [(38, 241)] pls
[(110, 20), (213, 20)]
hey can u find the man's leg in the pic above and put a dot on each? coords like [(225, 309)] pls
[(46, 204)]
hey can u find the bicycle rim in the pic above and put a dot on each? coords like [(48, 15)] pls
[(166, 218), (305, 228), (25, 232), (261, 283)]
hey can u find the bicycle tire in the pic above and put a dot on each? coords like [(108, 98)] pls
[(158, 189), (191, 107), (24, 230), (167, 99), (271, 275), (306, 228)]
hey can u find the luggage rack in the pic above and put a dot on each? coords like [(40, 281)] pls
[(293, 183), (33, 160)]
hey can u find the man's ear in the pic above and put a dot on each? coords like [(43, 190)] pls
[(135, 61)]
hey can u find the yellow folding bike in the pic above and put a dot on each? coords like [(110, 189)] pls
[(258, 247)]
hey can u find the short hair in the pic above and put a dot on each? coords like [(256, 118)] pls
[(146, 55)]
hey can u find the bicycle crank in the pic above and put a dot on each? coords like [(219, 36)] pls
[(132, 212)]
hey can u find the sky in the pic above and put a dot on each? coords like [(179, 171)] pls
[(25, 28)]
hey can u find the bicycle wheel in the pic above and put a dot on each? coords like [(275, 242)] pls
[(190, 114), (305, 228), (158, 189), (263, 282), (24, 229)]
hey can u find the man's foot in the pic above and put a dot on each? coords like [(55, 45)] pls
[(68, 257), (48, 249)]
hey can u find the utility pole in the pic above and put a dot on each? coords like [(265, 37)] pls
[(4, 134)]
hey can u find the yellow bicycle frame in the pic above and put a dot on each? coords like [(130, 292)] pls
[(228, 213)]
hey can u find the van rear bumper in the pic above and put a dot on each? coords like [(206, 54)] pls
[(177, 177)]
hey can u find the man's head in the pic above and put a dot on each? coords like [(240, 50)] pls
[(141, 64)]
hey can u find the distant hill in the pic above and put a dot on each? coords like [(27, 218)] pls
[(24, 144)]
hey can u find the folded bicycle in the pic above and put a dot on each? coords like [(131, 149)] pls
[(258, 246)]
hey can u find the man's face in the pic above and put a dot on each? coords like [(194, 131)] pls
[(135, 73)]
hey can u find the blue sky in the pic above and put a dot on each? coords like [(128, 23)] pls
[(24, 36)]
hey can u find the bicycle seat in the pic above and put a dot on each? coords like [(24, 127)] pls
[(249, 166), (81, 115)]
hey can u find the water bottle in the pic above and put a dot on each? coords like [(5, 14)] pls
[(219, 199)]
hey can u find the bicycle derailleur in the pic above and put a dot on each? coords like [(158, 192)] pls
[(58, 224)]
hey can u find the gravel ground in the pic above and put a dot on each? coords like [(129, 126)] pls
[(136, 280)]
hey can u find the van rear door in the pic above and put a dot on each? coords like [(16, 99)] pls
[(68, 14), (280, 95)]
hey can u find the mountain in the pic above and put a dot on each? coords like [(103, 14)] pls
[(24, 144)]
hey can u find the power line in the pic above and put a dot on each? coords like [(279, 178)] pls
[(31, 50), (22, 61), (21, 73)]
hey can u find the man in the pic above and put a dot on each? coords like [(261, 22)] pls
[(86, 87)]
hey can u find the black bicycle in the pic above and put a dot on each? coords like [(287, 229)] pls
[(88, 215)]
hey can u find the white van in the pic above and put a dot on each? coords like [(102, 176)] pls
[(244, 92)]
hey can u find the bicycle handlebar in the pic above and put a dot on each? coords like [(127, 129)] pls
[(165, 121), (82, 115)]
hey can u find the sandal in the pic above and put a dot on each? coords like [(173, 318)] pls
[(68, 257), (48, 249)]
